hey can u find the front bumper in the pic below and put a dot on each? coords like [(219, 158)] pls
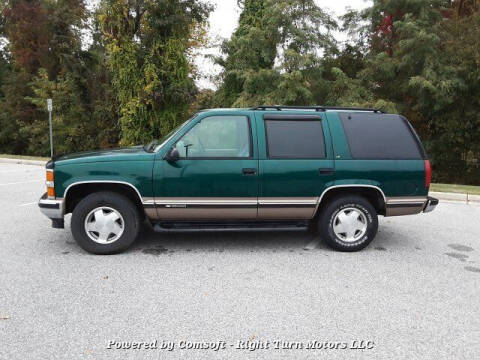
[(430, 204), (52, 208)]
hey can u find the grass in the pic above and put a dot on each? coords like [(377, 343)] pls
[(454, 188), (24, 157)]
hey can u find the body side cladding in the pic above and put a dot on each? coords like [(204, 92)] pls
[(407, 205)]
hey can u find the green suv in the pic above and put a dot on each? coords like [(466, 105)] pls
[(331, 170)]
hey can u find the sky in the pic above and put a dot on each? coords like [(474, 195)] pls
[(224, 19)]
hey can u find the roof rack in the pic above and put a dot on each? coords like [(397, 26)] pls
[(316, 108)]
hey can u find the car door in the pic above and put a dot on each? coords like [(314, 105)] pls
[(216, 176), (295, 161)]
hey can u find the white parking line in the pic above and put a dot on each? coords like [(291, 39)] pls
[(13, 171), (32, 203), (22, 182)]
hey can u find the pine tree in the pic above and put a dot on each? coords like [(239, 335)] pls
[(269, 56)]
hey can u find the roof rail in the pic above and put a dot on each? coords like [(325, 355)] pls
[(316, 108)]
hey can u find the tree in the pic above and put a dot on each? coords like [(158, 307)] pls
[(270, 55), (423, 58), (24, 25), (147, 43), (46, 60)]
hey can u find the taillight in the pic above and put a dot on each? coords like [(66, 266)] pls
[(428, 174), (50, 184)]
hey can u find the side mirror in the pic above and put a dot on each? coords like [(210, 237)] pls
[(172, 155)]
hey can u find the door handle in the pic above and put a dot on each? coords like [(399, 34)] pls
[(249, 171), (326, 171)]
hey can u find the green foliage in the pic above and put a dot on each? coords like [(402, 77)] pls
[(269, 56), (426, 63), (147, 43), (46, 60), (415, 57), (135, 82)]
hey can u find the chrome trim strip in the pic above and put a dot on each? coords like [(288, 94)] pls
[(148, 203), (406, 200), (214, 201), (288, 201), (103, 182)]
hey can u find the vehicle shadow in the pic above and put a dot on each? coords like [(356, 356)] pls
[(151, 241)]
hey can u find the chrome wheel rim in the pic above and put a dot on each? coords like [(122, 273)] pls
[(104, 225), (350, 224)]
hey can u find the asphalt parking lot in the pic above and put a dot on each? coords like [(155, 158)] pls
[(413, 294)]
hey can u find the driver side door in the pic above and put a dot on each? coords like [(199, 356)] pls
[(216, 176)]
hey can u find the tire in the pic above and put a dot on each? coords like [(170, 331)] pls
[(359, 226), (114, 216)]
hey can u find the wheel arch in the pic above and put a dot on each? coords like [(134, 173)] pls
[(76, 191), (371, 192)]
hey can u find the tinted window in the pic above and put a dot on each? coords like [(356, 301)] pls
[(297, 139), (217, 137), (380, 136)]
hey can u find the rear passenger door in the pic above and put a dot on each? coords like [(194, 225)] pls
[(295, 164)]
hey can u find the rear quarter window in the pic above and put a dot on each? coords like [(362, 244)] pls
[(381, 136)]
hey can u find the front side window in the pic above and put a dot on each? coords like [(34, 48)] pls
[(295, 139), (217, 137)]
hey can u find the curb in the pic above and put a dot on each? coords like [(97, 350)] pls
[(23, 161), (456, 197)]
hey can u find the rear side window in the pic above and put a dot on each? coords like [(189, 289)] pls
[(380, 136), (295, 139)]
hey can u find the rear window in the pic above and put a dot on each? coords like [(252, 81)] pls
[(380, 136), (295, 139)]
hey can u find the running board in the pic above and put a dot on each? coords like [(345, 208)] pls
[(230, 226)]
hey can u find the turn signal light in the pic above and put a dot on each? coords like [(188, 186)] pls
[(51, 192), (50, 184)]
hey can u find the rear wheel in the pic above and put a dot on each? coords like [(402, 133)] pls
[(105, 223), (348, 223)]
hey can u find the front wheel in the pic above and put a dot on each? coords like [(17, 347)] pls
[(105, 223), (348, 223)]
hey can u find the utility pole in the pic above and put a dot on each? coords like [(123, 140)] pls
[(49, 108)]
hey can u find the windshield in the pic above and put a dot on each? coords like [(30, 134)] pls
[(164, 139)]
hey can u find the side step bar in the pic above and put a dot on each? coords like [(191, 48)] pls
[(230, 226)]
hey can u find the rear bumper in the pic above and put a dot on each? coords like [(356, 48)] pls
[(52, 208), (409, 205), (430, 205)]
